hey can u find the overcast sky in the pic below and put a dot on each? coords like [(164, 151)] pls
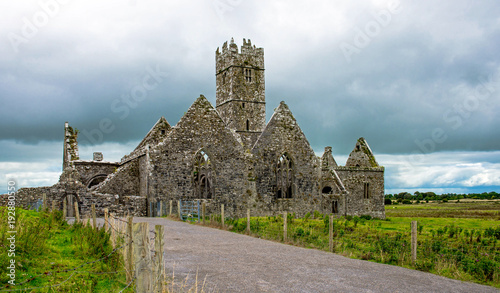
[(420, 80)]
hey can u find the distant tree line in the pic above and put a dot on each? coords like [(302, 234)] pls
[(406, 197)]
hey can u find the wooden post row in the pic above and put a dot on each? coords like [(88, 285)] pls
[(142, 258), (222, 214), (330, 234), (413, 241), (77, 213), (285, 228), (248, 221), (203, 211), (94, 220), (65, 212)]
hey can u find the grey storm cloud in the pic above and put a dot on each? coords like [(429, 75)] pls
[(396, 91)]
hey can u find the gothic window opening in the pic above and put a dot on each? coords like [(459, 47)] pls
[(284, 177), (248, 75), (243, 105), (367, 191), (202, 176), (335, 207)]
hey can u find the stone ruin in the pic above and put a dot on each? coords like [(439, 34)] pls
[(225, 154)]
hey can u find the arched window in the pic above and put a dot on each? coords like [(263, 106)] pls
[(284, 177), (202, 176)]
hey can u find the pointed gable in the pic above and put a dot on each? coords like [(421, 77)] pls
[(283, 134), (362, 156), (201, 129), (156, 134), (327, 160)]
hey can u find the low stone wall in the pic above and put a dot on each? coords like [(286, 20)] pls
[(120, 205)]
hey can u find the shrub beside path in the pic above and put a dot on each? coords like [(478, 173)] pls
[(230, 262)]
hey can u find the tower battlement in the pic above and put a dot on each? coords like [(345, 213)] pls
[(240, 96), (248, 55)]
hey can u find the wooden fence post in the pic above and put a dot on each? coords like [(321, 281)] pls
[(53, 205), (222, 214), (106, 219), (160, 212), (77, 213), (331, 233), (142, 257), (44, 202), (94, 220), (203, 211), (179, 209), (130, 260), (413, 241), (248, 221), (285, 228), (65, 212), (170, 210), (158, 275)]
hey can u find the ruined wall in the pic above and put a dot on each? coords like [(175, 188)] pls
[(354, 180), (283, 136), (88, 170), (124, 181), (172, 161)]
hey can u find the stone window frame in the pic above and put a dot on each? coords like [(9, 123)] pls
[(366, 190), (203, 172), (248, 74), (285, 176)]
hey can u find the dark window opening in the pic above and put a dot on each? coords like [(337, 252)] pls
[(367, 191), (335, 207), (96, 181), (284, 177), (163, 132), (202, 176), (248, 75), (243, 105), (327, 189), (224, 78), (248, 125)]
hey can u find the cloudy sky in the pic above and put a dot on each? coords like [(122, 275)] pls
[(420, 80)]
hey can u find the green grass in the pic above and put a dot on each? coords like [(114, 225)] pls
[(48, 249), (455, 240)]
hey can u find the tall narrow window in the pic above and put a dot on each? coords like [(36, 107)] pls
[(367, 192), (248, 125), (248, 75), (284, 177), (202, 176)]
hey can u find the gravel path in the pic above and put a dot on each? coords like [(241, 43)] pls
[(230, 262)]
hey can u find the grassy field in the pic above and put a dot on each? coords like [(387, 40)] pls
[(455, 240), (465, 208), (52, 256)]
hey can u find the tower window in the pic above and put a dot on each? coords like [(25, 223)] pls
[(224, 78), (248, 75), (243, 105), (248, 125)]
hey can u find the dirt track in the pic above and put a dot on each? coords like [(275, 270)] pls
[(231, 262)]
